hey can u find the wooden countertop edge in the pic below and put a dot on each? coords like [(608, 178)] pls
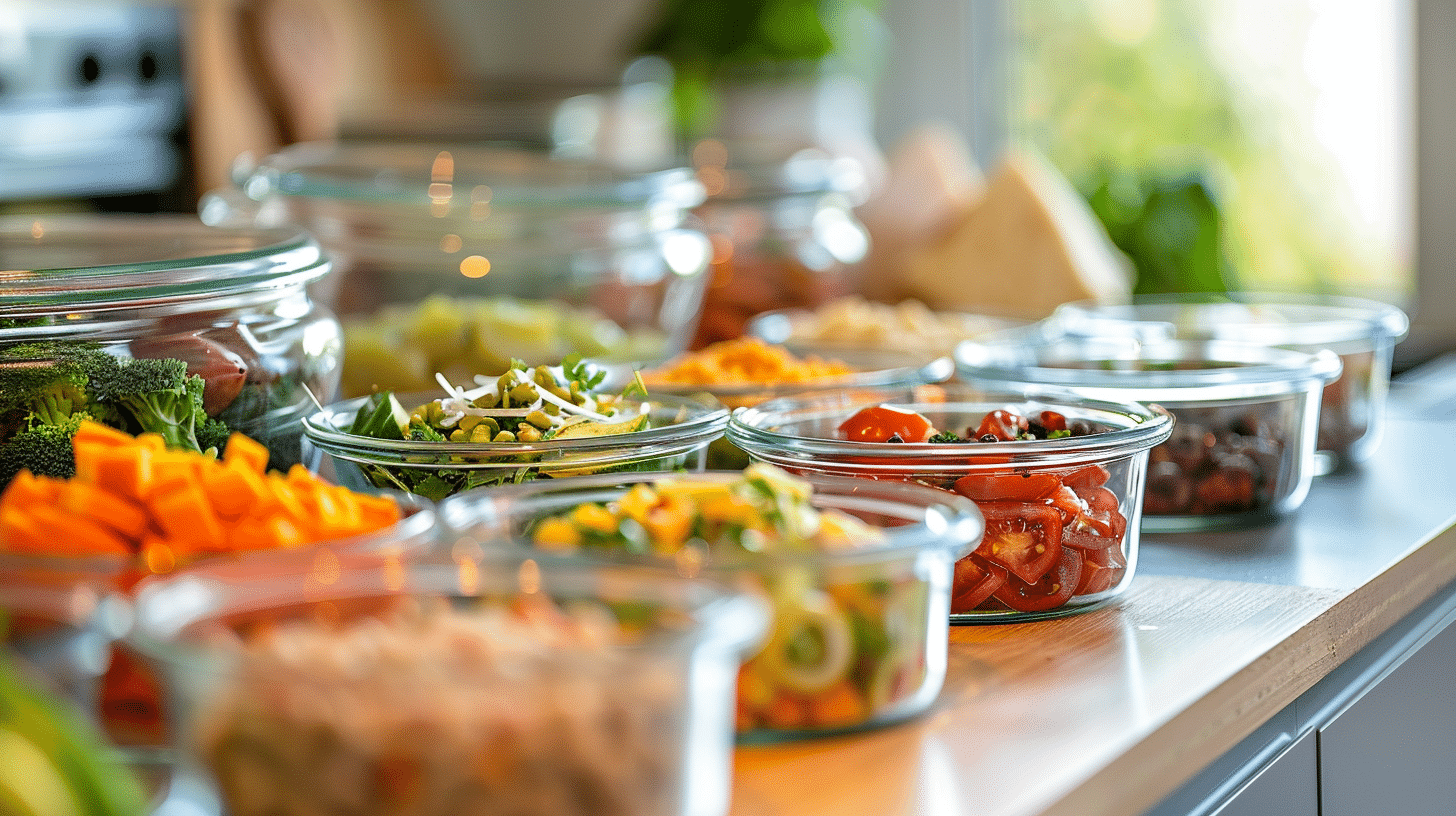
[(1158, 764)]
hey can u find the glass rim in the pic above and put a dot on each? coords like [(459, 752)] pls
[(1304, 319), (937, 370), (1271, 369), (262, 257), (168, 607), (1139, 427), (947, 521), (691, 433), (512, 177)]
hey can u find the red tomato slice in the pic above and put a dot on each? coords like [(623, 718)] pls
[(1084, 479), (1007, 486), (1003, 425), (1054, 589), (1101, 570), (881, 423), (1102, 513), (975, 580), (1023, 537)]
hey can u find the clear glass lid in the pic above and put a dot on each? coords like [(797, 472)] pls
[(68, 261)]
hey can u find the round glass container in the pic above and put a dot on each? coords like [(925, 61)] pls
[(783, 230), (231, 303), (468, 255), (1363, 332), (51, 596), (877, 611), (1089, 484), (482, 683), (678, 435), (871, 369), (851, 325), (1242, 451)]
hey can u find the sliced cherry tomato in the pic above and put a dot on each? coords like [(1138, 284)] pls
[(1054, 589), (1102, 514), (1023, 537), (975, 580), (1052, 421), (1101, 570), (1084, 479), (1007, 486), (1003, 425), (881, 423)]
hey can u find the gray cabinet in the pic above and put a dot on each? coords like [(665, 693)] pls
[(1287, 786), (1393, 748)]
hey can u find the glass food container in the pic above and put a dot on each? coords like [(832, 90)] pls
[(458, 258), (783, 231), (859, 633), (119, 691), (1062, 514), (1243, 449), (232, 304), (678, 433), (1363, 332), (852, 325), (473, 684), (863, 369)]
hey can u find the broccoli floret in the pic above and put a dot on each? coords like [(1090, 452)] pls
[(44, 450), (43, 382), (212, 434), (156, 395)]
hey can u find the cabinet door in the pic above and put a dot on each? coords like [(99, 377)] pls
[(1287, 786), (1393, 750)]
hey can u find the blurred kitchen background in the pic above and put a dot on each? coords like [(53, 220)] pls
[(1259, 144)]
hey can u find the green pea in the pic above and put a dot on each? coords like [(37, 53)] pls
[(524, 394), (539, 419), (504, 436), (487, 400), (528, 433)]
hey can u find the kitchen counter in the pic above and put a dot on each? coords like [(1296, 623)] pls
[(1110, 711)]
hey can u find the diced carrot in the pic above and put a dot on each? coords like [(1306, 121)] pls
[(123, 469), (187, 517), (21, 532), (124, 517), (786, 712), (230, 489), (26, 490), (74, 535), (247, 451), (839, 705), (95, 434)]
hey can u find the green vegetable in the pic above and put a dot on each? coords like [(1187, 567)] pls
[(156, 395), (382, 417), (44, 450), (48, 387), (52, 762)]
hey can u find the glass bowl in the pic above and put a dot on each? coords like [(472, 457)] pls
[(868, 369), (478, 684), (232, 304), (859, 634), (679, 433), (61, 617), (479, 234), (1242, 451), (852, 325), (1363, 332), (1028, 565)]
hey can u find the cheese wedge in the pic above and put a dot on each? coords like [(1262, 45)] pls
[(1027, 245), (930, 179)]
